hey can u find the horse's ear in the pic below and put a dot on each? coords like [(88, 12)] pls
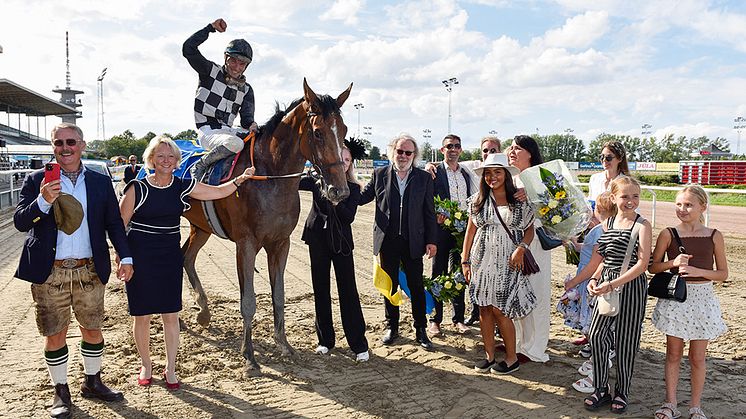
[(308, 94), (343, 96)]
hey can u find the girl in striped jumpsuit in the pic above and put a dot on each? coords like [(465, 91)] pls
[(612, 248)]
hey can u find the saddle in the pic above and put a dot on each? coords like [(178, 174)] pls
[(216, 174)]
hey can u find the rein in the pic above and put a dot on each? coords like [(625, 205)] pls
[(252, 137)]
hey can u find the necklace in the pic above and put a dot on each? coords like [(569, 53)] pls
[(158, 184)]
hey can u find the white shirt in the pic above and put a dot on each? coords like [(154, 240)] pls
[(457, 186)]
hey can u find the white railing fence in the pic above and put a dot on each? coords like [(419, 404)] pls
[(10, 186)]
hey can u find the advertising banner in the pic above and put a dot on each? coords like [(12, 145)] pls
[(572, 165), (646, 166), (380, 163), (632, 166), (590, 165), (666, 167)]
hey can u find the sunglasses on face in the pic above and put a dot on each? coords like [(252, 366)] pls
[(452, 146), (606, 157), (407, 152), (70, 142), (492, 150)]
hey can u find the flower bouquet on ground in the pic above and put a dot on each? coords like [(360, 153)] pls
[(445, 287), (557, 202)]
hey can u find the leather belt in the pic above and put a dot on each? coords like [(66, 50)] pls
[(71, 263)]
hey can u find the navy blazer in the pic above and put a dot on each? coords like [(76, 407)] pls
[(420, 224), (40, 246), (317, 226)]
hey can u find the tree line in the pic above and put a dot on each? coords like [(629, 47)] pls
[(555, 146)]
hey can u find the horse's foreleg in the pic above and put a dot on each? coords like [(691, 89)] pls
[(277, 257), (245, 261), (190, 249)]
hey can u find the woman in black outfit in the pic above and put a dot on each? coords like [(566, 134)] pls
[(328, 234)]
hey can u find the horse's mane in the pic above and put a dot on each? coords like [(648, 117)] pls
[(328, 106)]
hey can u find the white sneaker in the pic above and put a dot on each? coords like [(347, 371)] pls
[(587, 367), (362, 357), (585, 385), (322, 350)]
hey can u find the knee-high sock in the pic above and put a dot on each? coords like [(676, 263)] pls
[(57, 365), (92, 354)]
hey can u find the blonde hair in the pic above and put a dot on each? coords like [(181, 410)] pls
[(698, 192), (621, 181), (605, 205), (350, 173), (147, 155), (493, 139)]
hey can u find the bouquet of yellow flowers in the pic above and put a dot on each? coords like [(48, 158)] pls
[(456, 219), (557, 202), (445, 287)]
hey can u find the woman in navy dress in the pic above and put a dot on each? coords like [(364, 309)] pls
[(152, 208)]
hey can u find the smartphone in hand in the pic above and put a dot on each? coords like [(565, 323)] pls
[(51, 172)]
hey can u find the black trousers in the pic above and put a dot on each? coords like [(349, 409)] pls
[(353, 322), (441, 264), (394, 251)]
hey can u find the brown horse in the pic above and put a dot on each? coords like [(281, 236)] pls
[(266, 211)]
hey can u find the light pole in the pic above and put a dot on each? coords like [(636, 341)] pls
[(426, 135), (358, 106), (740, 125), (367, 132), (449, 83), (493, 132), (100, 81), (569, 131), (647, 129)]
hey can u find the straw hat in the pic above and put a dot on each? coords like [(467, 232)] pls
[(496, 160)]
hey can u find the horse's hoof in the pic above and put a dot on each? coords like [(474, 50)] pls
[(289, 352), (203, 318), (252, 369)]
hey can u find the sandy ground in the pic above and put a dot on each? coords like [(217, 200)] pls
[(399, 381)]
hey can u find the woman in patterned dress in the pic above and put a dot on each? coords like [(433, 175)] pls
[(151, 208), (492, 262), (698, 319)]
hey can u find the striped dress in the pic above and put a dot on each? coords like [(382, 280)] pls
[(627, 325)]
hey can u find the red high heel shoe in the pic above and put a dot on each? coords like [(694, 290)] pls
[(171, 386), (144, 381)]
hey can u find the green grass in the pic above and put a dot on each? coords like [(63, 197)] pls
[(730, 199)]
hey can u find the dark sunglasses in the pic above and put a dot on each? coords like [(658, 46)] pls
[(607, 157), (492, 150), (452, 146), (70, 142), (407, 152)]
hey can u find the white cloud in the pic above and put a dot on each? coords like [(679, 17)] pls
[(580, 31), (344, 10)]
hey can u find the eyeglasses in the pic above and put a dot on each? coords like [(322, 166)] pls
[(407, 152), (69, 141), (492, 150), (607, 157), (452, 146)]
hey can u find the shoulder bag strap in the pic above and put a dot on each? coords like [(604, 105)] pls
[(678, 240), (631, 245), (505, 226)]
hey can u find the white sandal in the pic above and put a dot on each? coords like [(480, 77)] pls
[(585, 385), (668, 411), (587, 367), (696, 413)]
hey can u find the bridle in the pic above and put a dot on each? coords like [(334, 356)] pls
[(309, 120)]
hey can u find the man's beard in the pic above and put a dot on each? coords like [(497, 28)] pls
[(401, 169)]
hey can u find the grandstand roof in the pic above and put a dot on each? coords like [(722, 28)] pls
[(22, 100)]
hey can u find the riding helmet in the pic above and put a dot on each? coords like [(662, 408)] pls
[(240, 50)]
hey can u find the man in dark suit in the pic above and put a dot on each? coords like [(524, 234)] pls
[(70, 270), (404, 230), (454, 183), (131, 171)]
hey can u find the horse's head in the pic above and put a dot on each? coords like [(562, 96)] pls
[(323, 147)]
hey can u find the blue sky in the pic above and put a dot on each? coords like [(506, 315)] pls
[(590, 66)]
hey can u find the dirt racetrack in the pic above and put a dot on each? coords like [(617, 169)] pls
[(399, 381)]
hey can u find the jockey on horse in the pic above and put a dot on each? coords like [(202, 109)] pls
[(222, 94)]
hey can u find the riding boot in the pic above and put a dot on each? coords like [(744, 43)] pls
[(62, 404), (218, 153), (92, 387)]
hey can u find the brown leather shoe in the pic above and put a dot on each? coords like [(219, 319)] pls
[(62, 405), (92, 387)]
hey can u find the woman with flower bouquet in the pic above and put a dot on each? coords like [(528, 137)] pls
[(492, 261), (451, 188)]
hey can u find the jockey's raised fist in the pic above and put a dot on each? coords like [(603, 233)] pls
[(219, 25)]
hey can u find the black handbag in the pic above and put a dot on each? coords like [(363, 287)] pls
[(669, 285), (530, 266), (547, 242)]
